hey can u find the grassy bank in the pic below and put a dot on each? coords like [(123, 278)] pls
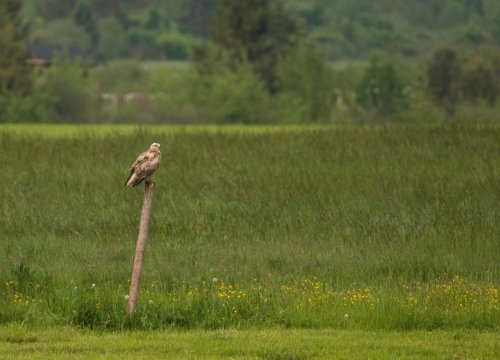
[(391, 227), (68, 343)]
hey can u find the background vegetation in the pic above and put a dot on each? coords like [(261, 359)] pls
[(346, 29), (257, 61), (365, 227)]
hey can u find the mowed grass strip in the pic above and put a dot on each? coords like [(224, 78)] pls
[(102, 130), (17, 342), (387, 215)]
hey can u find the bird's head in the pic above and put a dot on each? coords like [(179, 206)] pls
[(155, 147)]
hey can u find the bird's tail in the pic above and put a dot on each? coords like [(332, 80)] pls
[(126, 181)]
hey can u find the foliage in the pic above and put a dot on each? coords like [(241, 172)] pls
[(15, 74), (54, 9), (257, 31), (65, 34), (381, 88), (112, 39), (175, 46), (83, 15), (232, 96), (480, 81), (121, 76), (472, 77), (354, 29), (141, 35), (32, 108), (69, 92), (268, 37), (444, 73), (346, 29), (310, 91), (305, 76)]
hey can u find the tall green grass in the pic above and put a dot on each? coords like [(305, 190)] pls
[(402, 219)]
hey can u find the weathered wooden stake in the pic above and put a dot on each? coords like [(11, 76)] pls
[(142, 240)]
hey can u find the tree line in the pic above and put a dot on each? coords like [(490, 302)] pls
[(346, 29), (259, 64)]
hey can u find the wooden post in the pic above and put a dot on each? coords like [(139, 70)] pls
[(141, 245)]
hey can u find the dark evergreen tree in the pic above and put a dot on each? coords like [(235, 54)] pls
[(154, 20), (257, 31), (84, 16), (55, 9), (476, 5), (15, 74), (444, 74), (199, 13)]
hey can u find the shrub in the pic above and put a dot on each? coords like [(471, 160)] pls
[(142, 43), (72, 96), (112, 39), (305, 80), (16, 108), (381, 88), (175, 46), (228, 96), (479, 81), (65, 34)]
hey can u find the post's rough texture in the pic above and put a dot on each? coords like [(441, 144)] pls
[(141, 245)]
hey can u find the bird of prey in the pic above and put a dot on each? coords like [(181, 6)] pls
[(145, 165)]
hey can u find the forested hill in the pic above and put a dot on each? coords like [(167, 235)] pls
[(354, 28), (347, 29)]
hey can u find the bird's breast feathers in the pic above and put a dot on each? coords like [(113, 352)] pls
[(148, 161)]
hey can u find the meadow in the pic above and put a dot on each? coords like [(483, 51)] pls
[(391, 227)]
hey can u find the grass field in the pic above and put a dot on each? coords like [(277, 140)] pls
[(354, 228), (17, 342)]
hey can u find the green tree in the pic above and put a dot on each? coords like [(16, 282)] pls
[(15, 74), (72, 95), (55, 9), (479, 81), (233, 96), (112, 39), (64, 33), (257, 31), (199, 12), (476, 6), (444, 76), (381, 88), (83, 16), (154, 21), (305, 76)]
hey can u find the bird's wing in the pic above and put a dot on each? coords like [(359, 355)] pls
[(136, 166), (143, 167), (139, 160)]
